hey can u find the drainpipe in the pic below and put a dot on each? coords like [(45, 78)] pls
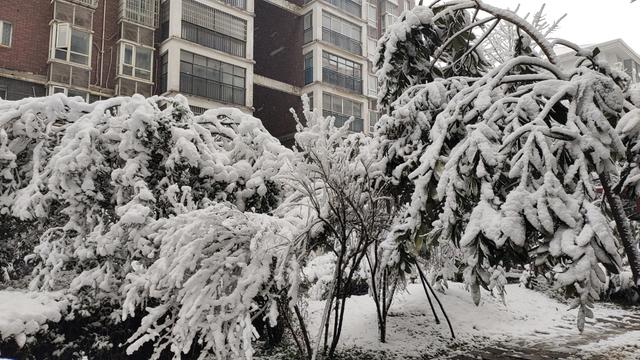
[(104, 21)]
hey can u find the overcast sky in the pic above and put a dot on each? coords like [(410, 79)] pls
[(587, 21)]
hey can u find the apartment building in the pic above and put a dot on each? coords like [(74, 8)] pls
[(616, 52), (257, 55), (89, 48), (322, 48)]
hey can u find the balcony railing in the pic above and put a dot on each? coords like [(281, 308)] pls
[(213, 39), (342, 41), (348, 6), (356, 125), (143, 12), (242, 4), (90, 3), (348, 82)]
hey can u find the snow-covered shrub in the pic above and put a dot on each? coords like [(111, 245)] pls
[(319, 276), (100, 176), (210, 267)]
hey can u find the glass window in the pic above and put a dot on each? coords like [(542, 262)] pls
[(213, 28), (136, 61), (339, 71), (308, 68), (341, 33), (307, 34), (6, 30), (372, 85), (71, 44), (342, 109), (211, 78), (372, 16)]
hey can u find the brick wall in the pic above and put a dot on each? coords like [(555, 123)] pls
[(30, 38)]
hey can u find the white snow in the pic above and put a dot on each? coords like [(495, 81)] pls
[(528, 316), (25, 313)]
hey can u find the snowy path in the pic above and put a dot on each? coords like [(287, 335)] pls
[(530, 326)]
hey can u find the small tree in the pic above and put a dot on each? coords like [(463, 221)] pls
[(340, 183)]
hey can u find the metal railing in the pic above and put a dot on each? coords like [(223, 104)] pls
[(342, 41), (143, 12), (348, 82), (212, 39), (89, 3), (356, 125), (241, 4)]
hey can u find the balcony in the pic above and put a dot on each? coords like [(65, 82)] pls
[(357, 124), (89, 3), (348, 6), (344, 81), (143, 12), (342, 41)]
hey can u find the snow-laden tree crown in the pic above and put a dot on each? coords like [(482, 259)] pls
[(506, 161)]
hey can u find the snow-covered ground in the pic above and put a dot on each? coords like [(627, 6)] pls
[(528, 320), (25, 313)]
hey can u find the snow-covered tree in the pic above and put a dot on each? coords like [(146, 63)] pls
[(502, 163)]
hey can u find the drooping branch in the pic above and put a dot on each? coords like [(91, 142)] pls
[(506, 15)]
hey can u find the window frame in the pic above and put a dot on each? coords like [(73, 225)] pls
[(134, 61), (307, 29), (308, 60), (218, 69), (372, 79), (373, 22), (56, 26), (11, 31)]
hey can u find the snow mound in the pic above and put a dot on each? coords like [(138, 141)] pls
[(25, 313)]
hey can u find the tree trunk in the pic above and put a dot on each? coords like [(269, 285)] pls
[(624, 227)]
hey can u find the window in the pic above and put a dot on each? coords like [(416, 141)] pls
[(5, 33), (136, 61), (372, 85), (308, 68), (71, 44), (387, 20), (310, 96), (3, 93), (213, 28), (374, 115), (342, 109), (341, 33), (372, 17), (211, 78), (79, 16), (352, 7), (372, 48), (164, 70), (341, 72), (307, 23)]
